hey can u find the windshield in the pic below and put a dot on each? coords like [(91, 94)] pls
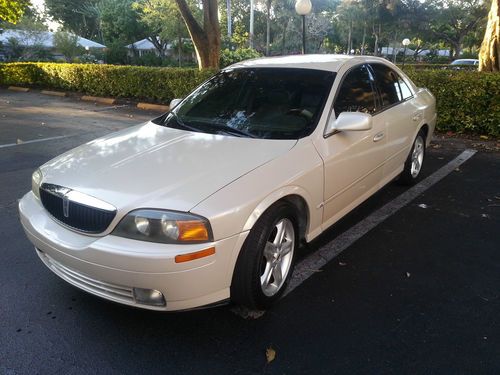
[(267, 103)]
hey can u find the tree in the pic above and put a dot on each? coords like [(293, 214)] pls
[(120, 22), (162, 22), (456, 19), (12, 10), (489, 55), (67, 44), (74, 16), (206, 38)]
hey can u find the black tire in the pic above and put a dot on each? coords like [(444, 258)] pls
[(246, 287), (409, 176)]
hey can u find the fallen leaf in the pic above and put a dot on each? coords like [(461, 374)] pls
[(483, 137), (422, 205), (270, 354), (342, 264), (19, 141), (245, 313)]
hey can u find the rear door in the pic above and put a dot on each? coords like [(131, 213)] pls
[(399, 114)]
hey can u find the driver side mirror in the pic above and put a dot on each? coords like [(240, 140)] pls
[(350, 121), (174, 102)]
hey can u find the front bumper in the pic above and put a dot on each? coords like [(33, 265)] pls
[(111, 266)]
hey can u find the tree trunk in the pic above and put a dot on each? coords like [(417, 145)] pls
[(252, 10), (457, 49), (376, 35), (349, 38), (283, 40), (268, 26), (158, 44), (489, 55), (206, 39), (179, 49), (364, 39)]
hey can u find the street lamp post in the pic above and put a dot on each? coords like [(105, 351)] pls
[(303, 8), (406, 42)]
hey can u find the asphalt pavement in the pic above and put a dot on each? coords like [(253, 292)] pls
[(419, 293)]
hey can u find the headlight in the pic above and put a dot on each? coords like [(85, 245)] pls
[(164, 227), (36, 179)]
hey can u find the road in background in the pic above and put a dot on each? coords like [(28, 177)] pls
[(420, 293)]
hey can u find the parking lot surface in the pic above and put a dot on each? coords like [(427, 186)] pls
[(419, 293)]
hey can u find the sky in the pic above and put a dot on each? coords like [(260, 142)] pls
[(40, 5)]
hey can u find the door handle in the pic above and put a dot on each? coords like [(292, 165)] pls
[(378, 136)]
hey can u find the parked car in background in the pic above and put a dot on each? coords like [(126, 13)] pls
[(464, 64), (211, 200)]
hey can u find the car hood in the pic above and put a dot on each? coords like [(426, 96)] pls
[(158, 167)]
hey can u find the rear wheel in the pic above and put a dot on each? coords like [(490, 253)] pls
[(413, 165), (266, 259)]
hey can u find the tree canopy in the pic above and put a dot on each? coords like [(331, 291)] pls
[(339, 26), (12, 10)]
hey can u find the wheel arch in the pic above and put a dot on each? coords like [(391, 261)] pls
[(425, 129), (294, 196)]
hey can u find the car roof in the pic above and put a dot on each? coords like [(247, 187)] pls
[(471, 60), (331, 63)]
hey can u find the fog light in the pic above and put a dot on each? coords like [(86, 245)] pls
[(151, 297)]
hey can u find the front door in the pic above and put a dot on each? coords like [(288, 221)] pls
[(353, 160)]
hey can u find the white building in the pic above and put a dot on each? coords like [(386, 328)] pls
[(28, 38)]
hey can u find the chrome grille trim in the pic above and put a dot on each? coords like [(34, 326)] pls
[(76, 210)]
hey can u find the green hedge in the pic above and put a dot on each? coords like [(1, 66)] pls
[(468, 101), (150, 83)]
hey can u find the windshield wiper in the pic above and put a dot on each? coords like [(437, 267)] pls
[(183, 124), (229, 130)]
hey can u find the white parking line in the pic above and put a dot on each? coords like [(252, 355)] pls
[(311, 264), (33, 141)]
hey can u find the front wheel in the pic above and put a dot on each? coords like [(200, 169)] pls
[(413, 165), (266, 259)]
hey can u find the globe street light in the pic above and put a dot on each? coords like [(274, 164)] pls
[(303, 7), (406, 42)]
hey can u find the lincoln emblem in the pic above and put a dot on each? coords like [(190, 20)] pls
[(65, 201)]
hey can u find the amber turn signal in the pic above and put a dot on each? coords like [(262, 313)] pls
[(196, 255), (193, 230)]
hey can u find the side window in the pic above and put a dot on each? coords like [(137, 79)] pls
[(356, 92), (405, 90), (388, 85)]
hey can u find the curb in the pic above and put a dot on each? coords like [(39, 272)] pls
[(98, 99), (21, 89), (53, 93), (153, 107)]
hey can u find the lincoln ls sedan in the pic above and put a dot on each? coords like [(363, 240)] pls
[(210, 201)]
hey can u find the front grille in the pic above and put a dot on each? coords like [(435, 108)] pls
[(76, 215)]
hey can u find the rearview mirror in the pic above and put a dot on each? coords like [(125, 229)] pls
[(350, 121), (174, 102)]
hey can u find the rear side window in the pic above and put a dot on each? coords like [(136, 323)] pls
[(356, 92), (405, 90), (387, 84)]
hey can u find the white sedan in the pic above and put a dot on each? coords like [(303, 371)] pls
[(210, 201)]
